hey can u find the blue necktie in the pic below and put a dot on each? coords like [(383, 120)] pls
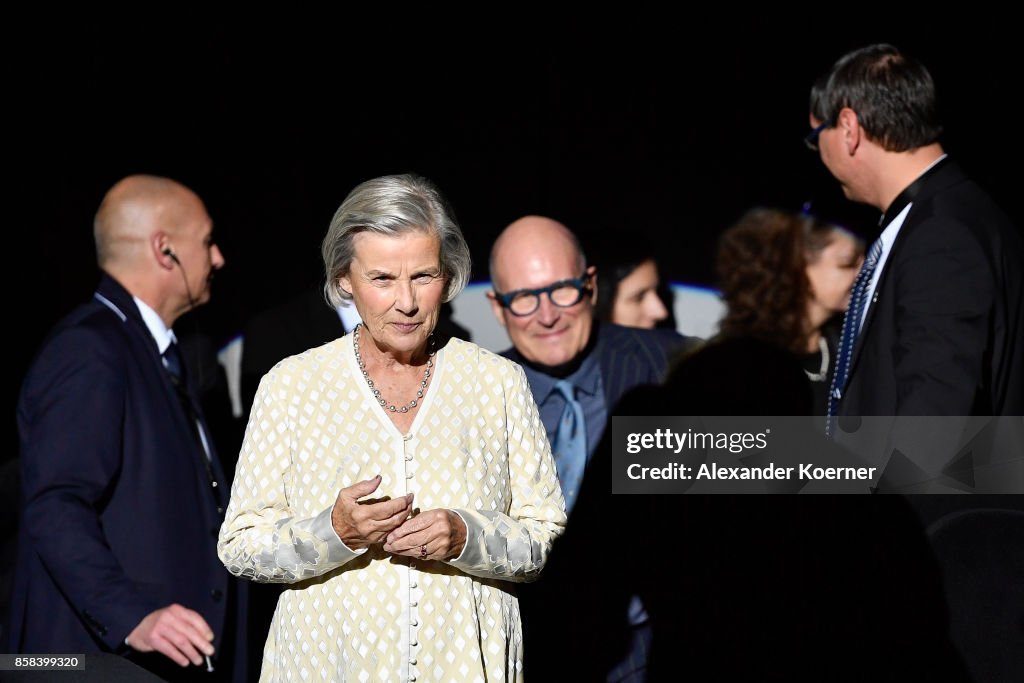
[(179, 378), (851, 328), (570, 446), (172, 361)]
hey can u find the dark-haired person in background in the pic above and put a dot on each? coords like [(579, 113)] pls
[(629, 289)]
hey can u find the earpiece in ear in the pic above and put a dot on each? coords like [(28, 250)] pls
[(168, 252)]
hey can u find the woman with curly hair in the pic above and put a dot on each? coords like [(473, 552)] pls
[(785, 277)]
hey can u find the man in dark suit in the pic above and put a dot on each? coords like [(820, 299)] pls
[(544, 295), (936, 320), (123, 493)]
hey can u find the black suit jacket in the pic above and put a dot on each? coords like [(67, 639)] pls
[(944, 334), (119, 517), (942, 337)]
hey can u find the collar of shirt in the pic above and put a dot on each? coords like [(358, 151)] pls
[(888, 235), (887, 238), (161, 333), (586, 379)]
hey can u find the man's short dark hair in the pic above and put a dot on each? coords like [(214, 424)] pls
[(892, 94)]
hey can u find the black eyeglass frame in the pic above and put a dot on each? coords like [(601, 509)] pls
[(581, 284), (811, 139)]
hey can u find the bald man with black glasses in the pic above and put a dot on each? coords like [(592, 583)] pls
[(544, 296)]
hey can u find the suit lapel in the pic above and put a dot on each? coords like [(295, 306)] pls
[(948, 174), (122, 301), (112, 291), (621, 368)]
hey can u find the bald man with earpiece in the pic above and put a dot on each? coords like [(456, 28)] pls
[(123, 494)]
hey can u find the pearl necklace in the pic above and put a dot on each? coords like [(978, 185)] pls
[(822, 372), (376, 392)]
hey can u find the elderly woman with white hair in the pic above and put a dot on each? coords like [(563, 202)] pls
[(400, 489)]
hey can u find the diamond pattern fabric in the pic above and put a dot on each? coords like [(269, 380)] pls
[(477, 447)]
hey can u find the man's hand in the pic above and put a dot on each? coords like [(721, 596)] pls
[(174, 631)]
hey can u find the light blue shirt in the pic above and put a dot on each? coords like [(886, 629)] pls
[(589, 392)]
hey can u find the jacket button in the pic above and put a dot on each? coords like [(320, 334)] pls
[(216, 594)]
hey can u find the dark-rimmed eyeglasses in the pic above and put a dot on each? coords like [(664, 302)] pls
[(811, 139), (564, 293)]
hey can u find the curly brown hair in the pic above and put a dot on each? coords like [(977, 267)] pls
[(762, 273)]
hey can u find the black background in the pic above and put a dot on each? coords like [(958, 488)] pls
[(657, 127)]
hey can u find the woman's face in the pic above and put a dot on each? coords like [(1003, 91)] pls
[(831, 276), (396, 286), (637, 303)]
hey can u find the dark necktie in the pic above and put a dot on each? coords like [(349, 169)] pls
[(851, 328), (176, 369), (570, 446), (172, 361)]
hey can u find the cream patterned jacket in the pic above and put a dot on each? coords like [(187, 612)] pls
[(477, 446)]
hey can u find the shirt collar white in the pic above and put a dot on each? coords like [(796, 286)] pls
[(161, 333)]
